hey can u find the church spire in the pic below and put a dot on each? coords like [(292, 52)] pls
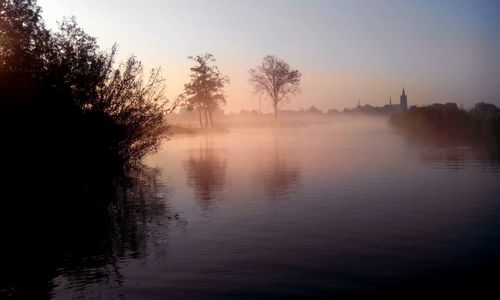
[(403, 101)]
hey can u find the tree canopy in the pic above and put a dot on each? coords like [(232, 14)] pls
[(60, 86), (275, 79), (205, 91)]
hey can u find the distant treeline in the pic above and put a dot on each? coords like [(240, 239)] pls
[(448, 122)]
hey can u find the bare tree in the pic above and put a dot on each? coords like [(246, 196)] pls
[(275, 79)]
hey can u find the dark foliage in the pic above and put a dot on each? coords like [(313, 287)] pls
[(205, 91), (70, 121), (62, 100), (448, 122)]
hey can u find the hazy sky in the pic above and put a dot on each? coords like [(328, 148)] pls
[(346, 50)]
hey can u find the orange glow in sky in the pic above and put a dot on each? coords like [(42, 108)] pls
[(346, 50)]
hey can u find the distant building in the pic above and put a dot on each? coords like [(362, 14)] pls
[(403, 100), (402, 106), (391, 108), (386, 109)]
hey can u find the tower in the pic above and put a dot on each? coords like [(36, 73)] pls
[(390, 100), (403, 101)]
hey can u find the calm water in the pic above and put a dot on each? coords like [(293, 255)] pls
[(349, 209)]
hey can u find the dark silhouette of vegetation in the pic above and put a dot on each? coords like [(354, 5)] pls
[(448, 122), (65, 99), (368, 109), (276, 80), (72, 121), (205, 91)]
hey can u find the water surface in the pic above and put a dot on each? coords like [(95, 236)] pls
[(348, 209)]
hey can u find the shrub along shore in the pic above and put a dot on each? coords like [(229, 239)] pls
[(449, 123)]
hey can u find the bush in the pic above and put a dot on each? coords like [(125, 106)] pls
[(63, 98), (449, 122)]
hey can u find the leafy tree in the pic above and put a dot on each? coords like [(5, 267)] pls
[(52, 83), (275, 79), (23, 37), (205, 91), (138, 105)]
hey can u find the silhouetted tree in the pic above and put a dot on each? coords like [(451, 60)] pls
[(448, 122), (205, 91), (23, 37), (275, 79), (485, 118), (139, 106), (52, 83)]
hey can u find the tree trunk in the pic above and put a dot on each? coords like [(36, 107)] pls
[(260, 105), (275, 111), (206, 118), (199, 114), (211, 119)]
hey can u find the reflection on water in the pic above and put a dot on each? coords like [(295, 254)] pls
[(206, 171), (454, 154), (362, 213), (459, 157), (280, 172), (74, 242)]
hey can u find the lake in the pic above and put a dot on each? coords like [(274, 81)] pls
[(349, 209)]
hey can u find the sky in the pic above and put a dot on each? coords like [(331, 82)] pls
[(439, 51)]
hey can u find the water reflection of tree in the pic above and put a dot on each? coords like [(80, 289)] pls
[(206, 173), (280, 174), (78, 234)]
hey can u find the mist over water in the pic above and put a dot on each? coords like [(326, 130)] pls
[(346, 208), (308, 165)]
